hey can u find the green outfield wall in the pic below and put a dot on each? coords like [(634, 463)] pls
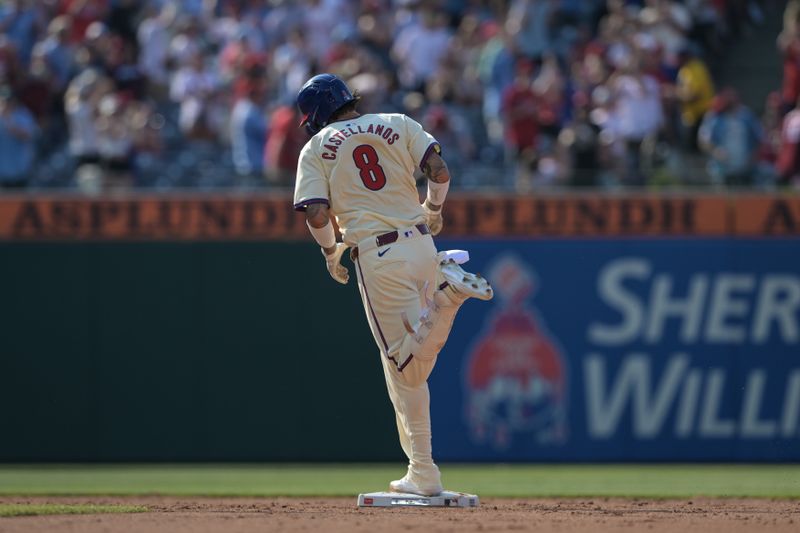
[(185, 351)]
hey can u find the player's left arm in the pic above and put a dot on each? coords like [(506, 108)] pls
[(423, 148)]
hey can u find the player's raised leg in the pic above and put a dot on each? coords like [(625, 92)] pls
[(426, 337)]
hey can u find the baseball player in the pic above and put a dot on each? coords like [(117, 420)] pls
[(359, 168)]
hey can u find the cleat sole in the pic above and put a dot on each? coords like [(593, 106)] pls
[(465, 283)]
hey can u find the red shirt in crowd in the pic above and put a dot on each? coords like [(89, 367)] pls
[(791, 73), (788, 160), (520, 109), (284, 141), (83, 13)]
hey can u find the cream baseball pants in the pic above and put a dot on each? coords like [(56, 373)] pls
[(399, 281)]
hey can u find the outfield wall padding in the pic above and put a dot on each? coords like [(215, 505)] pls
[(592, 350), (182, 351)]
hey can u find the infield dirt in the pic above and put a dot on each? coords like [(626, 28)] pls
[(233, 515)]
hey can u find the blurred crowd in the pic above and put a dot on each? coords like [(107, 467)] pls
[(522, 94)]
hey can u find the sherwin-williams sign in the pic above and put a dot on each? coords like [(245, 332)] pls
[(625, 350)]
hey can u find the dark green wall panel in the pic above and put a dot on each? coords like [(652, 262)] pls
[(185, 351)]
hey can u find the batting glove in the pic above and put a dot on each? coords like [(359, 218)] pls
[(333, 261), (433, 219)]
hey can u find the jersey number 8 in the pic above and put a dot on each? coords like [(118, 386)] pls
[(371, 173)]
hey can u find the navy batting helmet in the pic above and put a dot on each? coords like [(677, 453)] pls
[(320, 98)]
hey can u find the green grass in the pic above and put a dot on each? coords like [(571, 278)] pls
[(35, 509), (652, 481)]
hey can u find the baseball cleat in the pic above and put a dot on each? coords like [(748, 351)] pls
[(465, 283), (406, 486), (459, 256)]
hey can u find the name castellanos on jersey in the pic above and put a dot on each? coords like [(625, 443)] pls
[(332, 143)]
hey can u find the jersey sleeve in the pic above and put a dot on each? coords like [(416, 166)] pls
[(311, 186), (420, 142)]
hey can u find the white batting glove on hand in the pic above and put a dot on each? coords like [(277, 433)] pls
[(333, 261), (433, 218)]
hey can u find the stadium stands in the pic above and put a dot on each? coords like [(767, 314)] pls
[(523, 94)]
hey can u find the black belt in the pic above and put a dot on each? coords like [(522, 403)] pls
[(389, 238)]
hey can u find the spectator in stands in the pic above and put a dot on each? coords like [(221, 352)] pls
[(145, 127), (197, 8), (789, 46), (237, 56), (788, 159), (578, 146), (188, 41), (123, 16), (83, 13), (320, 20), (18, 133), (463, 62), (80, 104), (124, 70), (452, 131), (58, 52), (39, 89), (708, 28), (376, 28), (153, 37), (694, 90), (419, 47), (283, 16), (636, 116), (18, 20), (115, 143), (240, 22), (248, 130), (292, 63), (448, 99), (95, 49), (669, 23), (732, 136), (496, 70), (771, 124), (520, 118), (194, 86), (284, 142), (529, 23), (549, 87), (10, 68)]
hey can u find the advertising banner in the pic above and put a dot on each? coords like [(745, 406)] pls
[(149, 218), (270, 216), (624, 349)]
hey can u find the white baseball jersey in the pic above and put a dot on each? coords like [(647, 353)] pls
[(363, 170)]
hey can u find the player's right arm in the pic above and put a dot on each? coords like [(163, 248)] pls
[(311, 195)]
